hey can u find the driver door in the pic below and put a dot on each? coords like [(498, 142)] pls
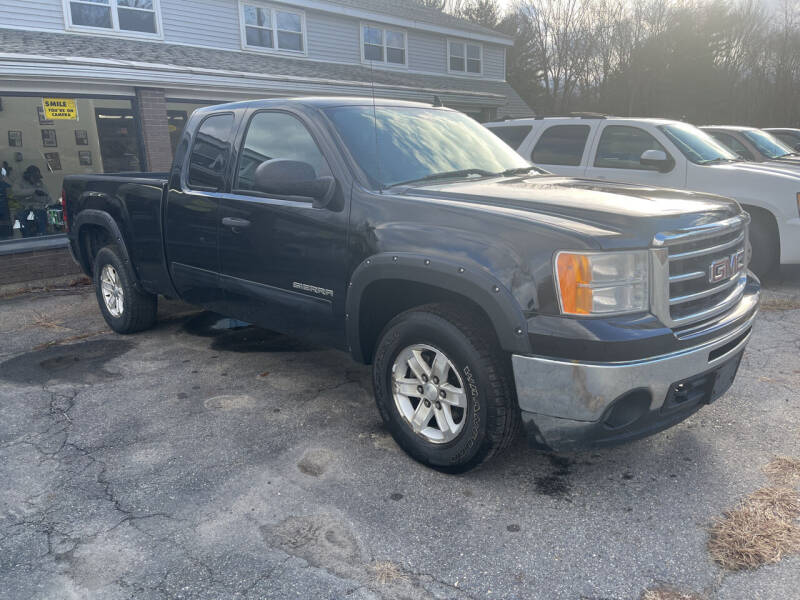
[(282, 258), (617, 154)]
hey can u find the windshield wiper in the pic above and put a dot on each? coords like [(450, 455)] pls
[(522, 171), (447, 175)]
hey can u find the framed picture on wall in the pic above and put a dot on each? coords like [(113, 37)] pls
[(49, 139), (53, 160), (85, 158), (42, 119), (15, 139), (81, 137)]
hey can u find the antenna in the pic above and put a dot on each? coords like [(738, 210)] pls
[(375, 127)]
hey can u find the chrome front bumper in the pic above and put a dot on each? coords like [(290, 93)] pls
[(566, 404)]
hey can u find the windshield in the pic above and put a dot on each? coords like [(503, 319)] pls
[(393, 144), (768, 145), (697, 145)]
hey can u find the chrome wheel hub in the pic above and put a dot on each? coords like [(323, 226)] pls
[(429, 393), (111, 288)]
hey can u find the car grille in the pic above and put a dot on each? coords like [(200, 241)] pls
[(690, 258)]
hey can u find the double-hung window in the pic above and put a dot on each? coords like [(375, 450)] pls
[(463, 57), (266, 27), (138, 17), (383, 45)]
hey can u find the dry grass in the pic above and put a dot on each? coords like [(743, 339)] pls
[(385, 572), (780, 303), (41, 320), (761, 530), (665, 593), (784, 470)]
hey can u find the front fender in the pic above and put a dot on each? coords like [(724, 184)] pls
[(465, 279)]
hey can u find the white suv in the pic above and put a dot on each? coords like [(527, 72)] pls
[(663, 153)]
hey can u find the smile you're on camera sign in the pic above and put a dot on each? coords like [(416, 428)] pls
[(62, 109)]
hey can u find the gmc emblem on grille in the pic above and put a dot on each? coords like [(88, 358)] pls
[(725, 268)]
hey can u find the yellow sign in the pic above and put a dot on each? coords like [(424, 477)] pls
[(63, 109)]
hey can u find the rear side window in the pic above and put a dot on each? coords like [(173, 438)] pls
[(561, 145), (210, 152), (621, 147), (513, 135)]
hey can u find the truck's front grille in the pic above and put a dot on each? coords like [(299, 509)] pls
[(706, 270)]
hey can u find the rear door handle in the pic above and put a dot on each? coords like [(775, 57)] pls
[(235, 223)]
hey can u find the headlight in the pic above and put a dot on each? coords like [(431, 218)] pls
[(591, 283)]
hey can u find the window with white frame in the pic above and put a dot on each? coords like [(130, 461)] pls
[(130, 16), (379, 44), (266, 27), (463, 57)]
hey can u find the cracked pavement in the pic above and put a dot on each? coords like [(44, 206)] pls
[(200, 461)]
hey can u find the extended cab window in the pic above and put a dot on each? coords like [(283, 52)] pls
[(561, 145), (621, 147), (513, 135), (276, 135), (210, 153), (731, 143)]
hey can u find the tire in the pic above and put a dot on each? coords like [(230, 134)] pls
[(765, 243), (488, 419), (129, 311)]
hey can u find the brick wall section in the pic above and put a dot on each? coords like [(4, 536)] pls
[(155, 132), (33, 266)]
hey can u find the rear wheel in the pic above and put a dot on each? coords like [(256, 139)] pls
[(443, 388), (125, 308)]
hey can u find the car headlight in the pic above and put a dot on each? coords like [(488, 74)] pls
[(595, 283)]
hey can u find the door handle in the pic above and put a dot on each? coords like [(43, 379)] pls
[(235, 223)]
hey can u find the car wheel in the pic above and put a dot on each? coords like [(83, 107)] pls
[(765, 245), (125, 308), (443, 387)]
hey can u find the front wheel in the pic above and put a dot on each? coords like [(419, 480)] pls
[(443, 388), (125, 308)]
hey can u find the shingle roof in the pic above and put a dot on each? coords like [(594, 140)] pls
[(409, 9), (498, 93)]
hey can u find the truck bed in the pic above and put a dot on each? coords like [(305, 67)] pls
[(135, 204)]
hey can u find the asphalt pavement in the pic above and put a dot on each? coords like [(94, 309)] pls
[(202, 459)]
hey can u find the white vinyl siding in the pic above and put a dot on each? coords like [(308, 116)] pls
[(494, 62), (427, 52), (333, 38), (209, 23), (32, 14)]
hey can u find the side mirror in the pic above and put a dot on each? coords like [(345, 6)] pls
[(657, 159), (284, 177)]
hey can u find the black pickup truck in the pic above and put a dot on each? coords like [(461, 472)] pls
[(484, 292)]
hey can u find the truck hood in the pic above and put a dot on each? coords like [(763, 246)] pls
[(597, 208)]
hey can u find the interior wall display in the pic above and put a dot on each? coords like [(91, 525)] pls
[(60, 109), (49, 139), (15, 139), (81, 137), (53, 160), (85, 158), (43, 120)]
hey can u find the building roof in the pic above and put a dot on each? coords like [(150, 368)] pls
[(134, 56), (409, 9)]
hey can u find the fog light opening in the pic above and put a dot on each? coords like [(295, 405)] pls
[(628, 409)]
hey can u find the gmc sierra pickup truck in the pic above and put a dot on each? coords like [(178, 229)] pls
[(485, 293)]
